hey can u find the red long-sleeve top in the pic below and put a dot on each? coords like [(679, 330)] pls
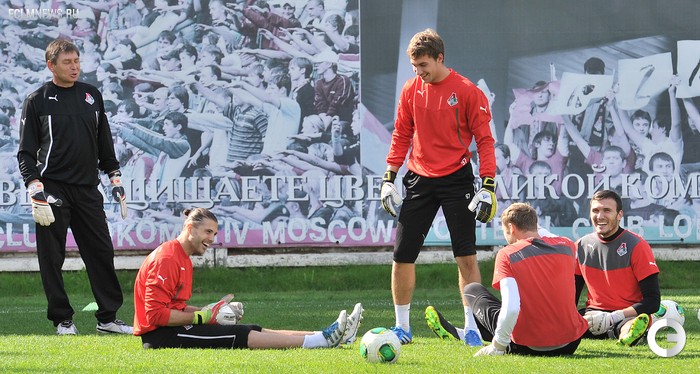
[(164, 282), (438, 122)]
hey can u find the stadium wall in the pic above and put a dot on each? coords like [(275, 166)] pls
[(301, 257), (512, 49)]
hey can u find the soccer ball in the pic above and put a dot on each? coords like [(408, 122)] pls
[(380, 345), (671, 310), (230, 314)]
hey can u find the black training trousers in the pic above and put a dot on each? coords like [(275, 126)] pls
[(83, 212), (199, 336)]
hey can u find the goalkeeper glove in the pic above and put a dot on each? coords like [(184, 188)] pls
[(485, 200), (41, 211), (115, 178), (230, 314), (237, 308), (207, 315), (389, 194), (491, 350), (601, 322)]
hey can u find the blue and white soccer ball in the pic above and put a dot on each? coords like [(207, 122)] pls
[(380, 345), (671, 310)]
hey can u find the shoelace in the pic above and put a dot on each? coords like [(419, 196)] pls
[(330, 330)]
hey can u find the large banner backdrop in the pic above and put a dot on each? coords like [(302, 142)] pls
[(280, 145)]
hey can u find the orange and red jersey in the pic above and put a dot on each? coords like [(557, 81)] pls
[(544, 271), (612, 269), (164, 282), (437, 121)]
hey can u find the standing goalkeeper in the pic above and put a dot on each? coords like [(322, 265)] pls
[(439, 113), (64, 141)]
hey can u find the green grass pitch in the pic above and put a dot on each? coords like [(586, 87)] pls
[(309, 299)]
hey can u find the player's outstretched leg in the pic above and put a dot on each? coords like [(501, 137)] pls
[(334, 332), (637, 329), (354, 320), (439, 325)]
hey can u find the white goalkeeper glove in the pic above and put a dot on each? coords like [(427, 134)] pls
[(485, 201), (41, 211), (118, 194), (230, 314), (208, 314), (493, 349), (600, 322), (389, 194)]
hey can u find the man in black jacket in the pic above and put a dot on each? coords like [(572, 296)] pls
[(65, 140)]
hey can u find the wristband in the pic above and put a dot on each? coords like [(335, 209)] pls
[(617, 316), (488, 184), (389, 176)]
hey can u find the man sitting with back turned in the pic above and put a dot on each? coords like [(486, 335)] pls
[(535, 275)]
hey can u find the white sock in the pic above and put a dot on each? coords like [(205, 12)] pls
[(403, 313), (460, 333), (317, 340), (469, 321)]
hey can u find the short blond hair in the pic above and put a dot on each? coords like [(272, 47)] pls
[(520, 215)]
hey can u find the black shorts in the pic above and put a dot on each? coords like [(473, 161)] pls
[(424, 196), (199, 336), (487, 308)]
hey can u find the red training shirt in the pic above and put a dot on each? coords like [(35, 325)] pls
[(612, 269), (544, 271), (438, 120), (164, 282)]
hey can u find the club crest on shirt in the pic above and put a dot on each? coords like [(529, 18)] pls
[(452, 101), (622, 249), (89, 99)]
